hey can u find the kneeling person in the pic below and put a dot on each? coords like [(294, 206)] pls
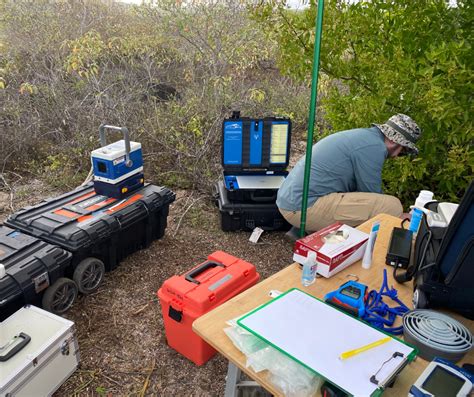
[(346, 175)]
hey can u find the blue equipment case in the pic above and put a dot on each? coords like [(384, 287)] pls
[(117, 167), (258, 151)]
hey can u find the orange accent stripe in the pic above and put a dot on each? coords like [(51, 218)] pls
[(84, 218), (131, 200), (87, 195), (66, 213), (101, 204)]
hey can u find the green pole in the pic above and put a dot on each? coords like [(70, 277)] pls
[(312, 114)]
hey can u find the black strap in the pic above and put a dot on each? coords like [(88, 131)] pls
[(266, 142), (246, 143), (400, 130), (413, 269)]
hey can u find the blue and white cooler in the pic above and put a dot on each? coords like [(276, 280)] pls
[(117, 167)]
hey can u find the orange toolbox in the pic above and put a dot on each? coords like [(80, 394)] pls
[(186, 297)]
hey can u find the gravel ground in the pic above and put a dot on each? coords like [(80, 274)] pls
[(120, 328)]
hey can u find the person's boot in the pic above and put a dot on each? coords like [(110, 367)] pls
[(293, 234)]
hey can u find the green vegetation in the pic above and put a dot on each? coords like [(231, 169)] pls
[(381, 58), (171, 74)]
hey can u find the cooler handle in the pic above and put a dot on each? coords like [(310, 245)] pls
[(126, 138), (206, 265), (26, 339), (176, 315)]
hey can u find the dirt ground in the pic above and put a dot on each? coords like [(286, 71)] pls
[(120, 328)]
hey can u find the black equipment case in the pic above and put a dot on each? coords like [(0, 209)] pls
[(30, 266), (257, 150), (444, 260), (91, 225), (246, 216)]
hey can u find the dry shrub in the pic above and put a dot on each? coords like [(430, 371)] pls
[(168, 73)]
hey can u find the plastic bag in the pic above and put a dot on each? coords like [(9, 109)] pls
[(292, 378)]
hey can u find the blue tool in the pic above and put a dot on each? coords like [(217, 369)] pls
[(379, 314), (349, 297)]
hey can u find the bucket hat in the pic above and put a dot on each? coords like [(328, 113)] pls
[(403, 130)]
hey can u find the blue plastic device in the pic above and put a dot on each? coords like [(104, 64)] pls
[(349, 297)]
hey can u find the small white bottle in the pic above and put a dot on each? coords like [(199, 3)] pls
[(424, 197), (310, 267)]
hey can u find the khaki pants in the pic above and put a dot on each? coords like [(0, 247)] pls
[(349, 208)]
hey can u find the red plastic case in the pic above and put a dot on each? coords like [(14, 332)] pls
[(186, 297)]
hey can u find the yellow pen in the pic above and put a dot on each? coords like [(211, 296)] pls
[(353, 352)]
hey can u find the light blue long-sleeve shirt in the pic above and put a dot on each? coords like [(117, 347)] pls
[(346, 161)]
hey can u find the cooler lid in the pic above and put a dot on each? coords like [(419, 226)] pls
[(250, 145), (43, 329), (114, 150)]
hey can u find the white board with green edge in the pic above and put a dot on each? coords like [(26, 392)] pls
[(314, 334)]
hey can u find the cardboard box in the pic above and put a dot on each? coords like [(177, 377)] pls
[(337, 246)]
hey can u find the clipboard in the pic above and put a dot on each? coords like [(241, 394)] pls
[(314, 334)]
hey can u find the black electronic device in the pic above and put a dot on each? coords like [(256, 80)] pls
[(399, 250)]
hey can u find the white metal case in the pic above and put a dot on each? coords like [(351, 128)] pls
[(45, 362)]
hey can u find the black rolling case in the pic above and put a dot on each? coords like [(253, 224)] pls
[(30, 266), (91, 225), (246, 216), (444, 260)]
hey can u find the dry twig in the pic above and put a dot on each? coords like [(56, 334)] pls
[(184, 213), (147, 380)]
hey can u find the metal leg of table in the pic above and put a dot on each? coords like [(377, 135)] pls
[(234, 382)]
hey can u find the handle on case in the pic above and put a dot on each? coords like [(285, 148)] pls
[(126, 138), (263, 199), (26, 339), (206, 265)]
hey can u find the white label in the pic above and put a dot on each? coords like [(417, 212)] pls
[(218, 283), (257, 232), (119, 160)]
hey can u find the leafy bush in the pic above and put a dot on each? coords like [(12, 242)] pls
[(168, 73), (381, 58)]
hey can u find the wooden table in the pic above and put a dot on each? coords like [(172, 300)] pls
[(210, 326)]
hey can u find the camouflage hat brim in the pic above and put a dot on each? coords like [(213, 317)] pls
[(397, 137)]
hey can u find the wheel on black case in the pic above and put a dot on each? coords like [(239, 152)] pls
[(59, 297), (88, 275), (420, 300)]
